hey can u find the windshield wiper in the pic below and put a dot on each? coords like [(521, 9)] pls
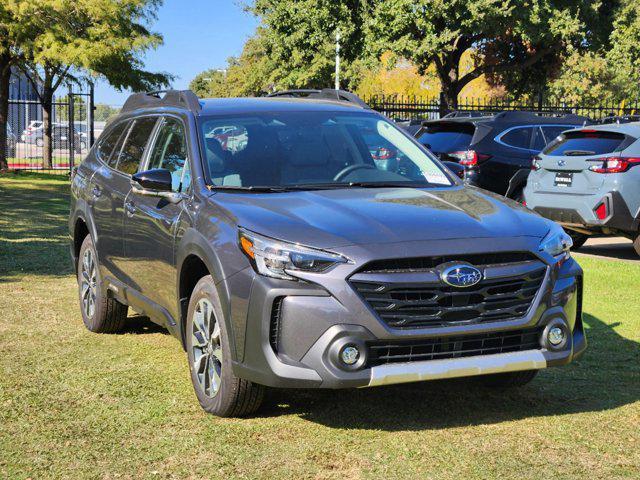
[(271, 189), (578, 153), (388, 184)]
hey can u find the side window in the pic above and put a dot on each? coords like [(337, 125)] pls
[(170, 152), (518, 137), (135, 144), (107, 145)]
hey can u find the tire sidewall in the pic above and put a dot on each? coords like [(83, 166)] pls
[(90, 322), (205, 288)]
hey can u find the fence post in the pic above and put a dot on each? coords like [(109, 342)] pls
[(71, 140), (540, 100), (90, 112)]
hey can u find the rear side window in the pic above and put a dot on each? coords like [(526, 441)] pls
[(593, 142), (107, 145), (134, 145), (518, 137), (447, 138)]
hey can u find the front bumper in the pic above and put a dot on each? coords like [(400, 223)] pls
[(316, 321)]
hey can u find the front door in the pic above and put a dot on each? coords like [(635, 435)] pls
[(152, 224)]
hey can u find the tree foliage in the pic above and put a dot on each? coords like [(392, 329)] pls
[(56, 41)]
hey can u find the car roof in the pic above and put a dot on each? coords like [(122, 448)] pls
[(512, 118), (631, 128), (234, 106)]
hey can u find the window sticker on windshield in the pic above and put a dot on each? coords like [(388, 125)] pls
[(428, 168), (437, 178)]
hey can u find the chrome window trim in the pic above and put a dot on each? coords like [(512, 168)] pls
[(498, 138)]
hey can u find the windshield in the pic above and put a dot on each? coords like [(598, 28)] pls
[(307, 149)]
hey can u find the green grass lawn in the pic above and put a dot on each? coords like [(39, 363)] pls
[(79, 405)]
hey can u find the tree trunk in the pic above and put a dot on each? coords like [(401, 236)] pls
[(47, 120), (5, 77), (448, 96)]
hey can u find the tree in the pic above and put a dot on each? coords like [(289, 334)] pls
[(15, 29), (623, 57), (70, 37), (104, 112), (300, 40), (510, 39)]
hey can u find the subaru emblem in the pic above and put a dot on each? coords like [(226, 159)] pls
[(461, 276), (562, 163)]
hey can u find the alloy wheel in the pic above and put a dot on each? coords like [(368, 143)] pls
[(206, 348), (88, 286)]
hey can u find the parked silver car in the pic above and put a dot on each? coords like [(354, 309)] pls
[(588, 180)]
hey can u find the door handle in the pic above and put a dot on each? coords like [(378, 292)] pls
[(130, 208), (96, 192)]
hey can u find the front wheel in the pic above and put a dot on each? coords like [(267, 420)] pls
[(218, 390), (579, 239), (636, 244), (100, 313)]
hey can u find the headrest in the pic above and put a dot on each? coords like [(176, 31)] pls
[(308, 150), (215, 155)]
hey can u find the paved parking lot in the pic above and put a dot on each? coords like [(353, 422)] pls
[(616, 248)]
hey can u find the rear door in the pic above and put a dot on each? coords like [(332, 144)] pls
[(111, 185), (152, 223), (565, 162)]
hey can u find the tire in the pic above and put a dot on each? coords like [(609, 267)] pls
[(636, 244), (510, 379), (101, 314), (579, 239), (218, 390), (39, 142)]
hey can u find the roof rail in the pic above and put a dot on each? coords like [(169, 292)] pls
[(469, 114), (325, 93), (528, 114), (172, 98)]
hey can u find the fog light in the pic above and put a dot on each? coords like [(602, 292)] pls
[(350, 355), (556, 336)]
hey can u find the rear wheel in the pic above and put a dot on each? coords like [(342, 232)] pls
[(578, 238), (510, 379), (100, 313), (218, 390), (636, 244)]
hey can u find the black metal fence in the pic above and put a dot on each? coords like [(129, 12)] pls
[(401, 107), (72, 132)]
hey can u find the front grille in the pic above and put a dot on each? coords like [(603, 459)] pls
[(420, 305), (400, 265), (383, 351), (274, 327)]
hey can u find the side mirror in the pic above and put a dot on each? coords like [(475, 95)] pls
[(158, 179), (155, 183)]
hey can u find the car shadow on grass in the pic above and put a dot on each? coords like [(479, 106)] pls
[(141, 325), (606, 377)]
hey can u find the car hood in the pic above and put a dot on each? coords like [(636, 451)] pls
[(341, 217)]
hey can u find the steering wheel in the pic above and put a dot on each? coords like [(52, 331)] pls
[(352, 168)]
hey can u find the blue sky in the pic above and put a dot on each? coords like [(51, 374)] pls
[(198, 34)]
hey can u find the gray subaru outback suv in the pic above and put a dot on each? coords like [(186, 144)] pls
[(267, 238)]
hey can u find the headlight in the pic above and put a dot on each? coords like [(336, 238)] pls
[(557, 243), (274, 258)]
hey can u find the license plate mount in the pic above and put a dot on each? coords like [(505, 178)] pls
[(563, 179)]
